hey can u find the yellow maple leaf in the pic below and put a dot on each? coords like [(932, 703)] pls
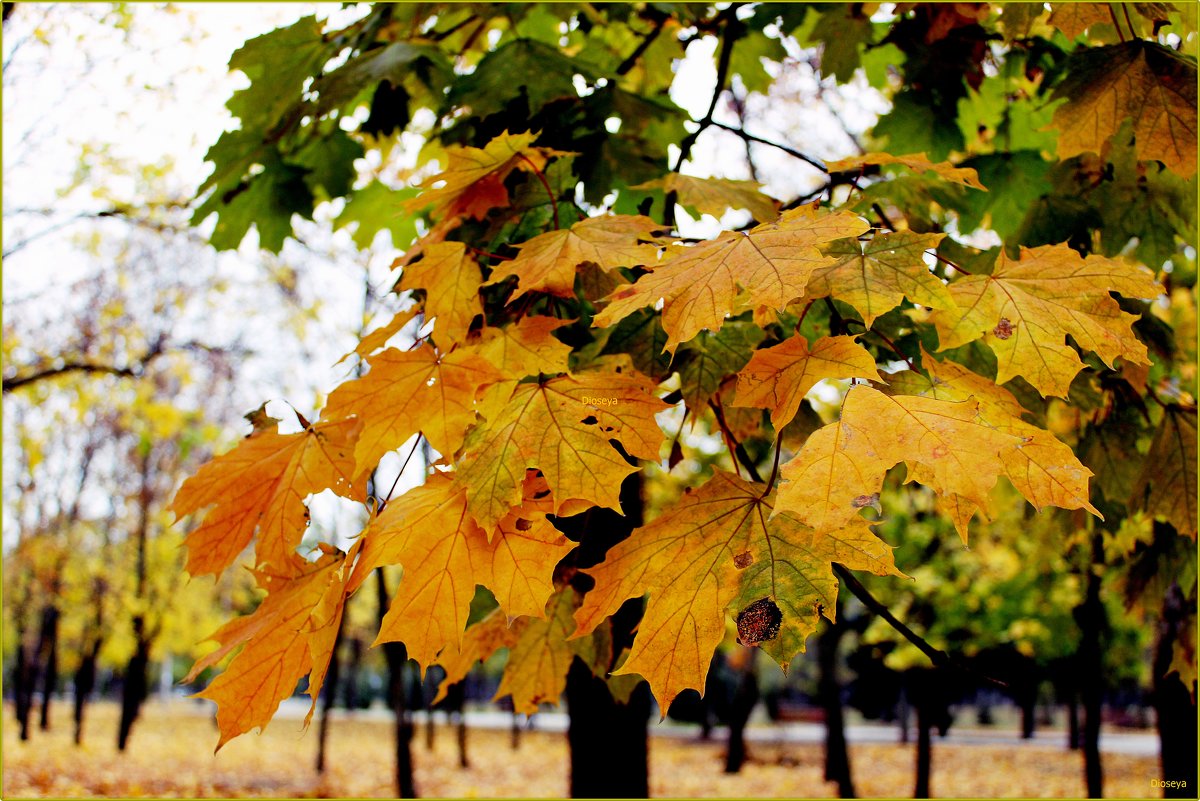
[(407, 392), (472, 173), (379, 337), (700, 285), (561, 426), (1043, 469), (548, 262), (715, 196), (918, 162), (445, 554), (539, 653), (719, 552), (1026, 309), (778, 378), (451, 279), (524, 348), (284, 639), (955, 448), (875, 276), (260, 487), (1142, 81)]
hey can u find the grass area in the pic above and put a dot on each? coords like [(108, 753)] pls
[(171, 755)]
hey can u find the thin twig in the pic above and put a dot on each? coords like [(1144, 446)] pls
[(944, 260), (736, 450), (388, 497), (775, 466), (791, 151), (632, 59)]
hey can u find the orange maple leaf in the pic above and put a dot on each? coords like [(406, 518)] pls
[(1026, 309), (548, 262), (451, 281), (778, 378), (917, 162), (698, 285), (407, 392), (956, 448), (561, 426), (260, 487), (290, 635), (720, 552), (445, 554)]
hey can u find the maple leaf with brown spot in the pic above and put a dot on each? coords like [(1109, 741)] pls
[(412, 391), (715, 196), (778, 378), (876, 276), (955, 448), (548, 262), (451, 279), (561, 426), (715, 554), (917, 162), (700, 285), (1152, 86), (445, 554), (260, 487), (290, 635), (1026, 309)]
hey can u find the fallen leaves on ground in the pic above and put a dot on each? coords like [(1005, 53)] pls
[(162, 761)]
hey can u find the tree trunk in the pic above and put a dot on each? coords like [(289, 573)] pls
[(135, 687), (50, 671), (924, 751), (608, 740), (463, 762), (744, 699), (350, 685), (1090, 617), (397, 657), (23, 686), (85, 682), (1073, 721), (1028, 695), (515, 732), (1175, 705), (328, 694), (837, 759)]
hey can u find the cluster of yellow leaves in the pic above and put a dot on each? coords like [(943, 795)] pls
[(528, 439)]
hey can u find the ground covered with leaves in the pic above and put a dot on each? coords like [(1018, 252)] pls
[(170, 755)]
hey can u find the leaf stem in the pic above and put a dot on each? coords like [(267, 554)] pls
[(736, 450), (550, 192), (804, 314), (775, 465)]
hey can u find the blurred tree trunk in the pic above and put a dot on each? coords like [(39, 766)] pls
[(85, 681), (829, 690), (744, 698), (1091, 619), (397, 657), (1073, 722), (135, 686), (50, 617), (1174, 702), (23, 680), (350, 685), (608, 740), (328, 695)]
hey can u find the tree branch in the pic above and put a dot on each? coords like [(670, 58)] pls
[(937, 656), (630, 61), (135, 370), (812, 161)]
